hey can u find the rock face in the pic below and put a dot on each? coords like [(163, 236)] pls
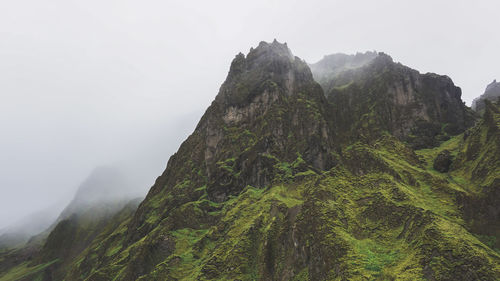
[(492, 93), (443, 161), (281, 182), (269, 93), (380, 95)]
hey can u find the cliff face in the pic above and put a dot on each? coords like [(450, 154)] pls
[(380, 95), (492, 93), (282, 182)]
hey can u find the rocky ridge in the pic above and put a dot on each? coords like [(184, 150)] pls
[(381, 95), (492, 93)]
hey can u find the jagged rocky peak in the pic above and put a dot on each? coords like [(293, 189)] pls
[(269, 109), (271, 50), (268, 66), (260, 96), (491, 93), (493, 85)]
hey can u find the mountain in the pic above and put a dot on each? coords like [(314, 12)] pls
[(492, 93), (377, 172), (103, 200), (103, 186)]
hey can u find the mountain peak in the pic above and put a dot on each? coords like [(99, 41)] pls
[(268, 67), (492, 93), (492, 85), (383, 58), (274, 48)]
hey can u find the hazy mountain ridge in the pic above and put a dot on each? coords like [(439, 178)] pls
[(492, 93), (282, 180), (332, 65), (381, 95), (100, 201), (23, 230)]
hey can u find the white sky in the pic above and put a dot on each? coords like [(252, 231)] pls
[(86, 83)]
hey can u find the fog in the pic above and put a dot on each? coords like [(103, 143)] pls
[(91, 83)]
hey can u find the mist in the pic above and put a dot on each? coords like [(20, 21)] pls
[(122, 83)]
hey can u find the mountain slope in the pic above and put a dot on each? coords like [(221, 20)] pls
[(478, 161), (275, 184)]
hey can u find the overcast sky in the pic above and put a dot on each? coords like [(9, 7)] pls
[(88, 83)]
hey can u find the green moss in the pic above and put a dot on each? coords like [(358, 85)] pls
[(428, 155), (299, 161), (284, 172), (303, 275), (375, 257)]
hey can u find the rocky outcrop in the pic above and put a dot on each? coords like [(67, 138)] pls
[(443, 161), (492, 93), (384, 96)]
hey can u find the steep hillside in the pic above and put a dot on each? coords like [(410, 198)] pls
[(492, 93), (282, 182)]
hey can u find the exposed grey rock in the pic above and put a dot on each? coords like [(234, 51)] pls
[(491, 93), (443, 161), (382, 95)]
